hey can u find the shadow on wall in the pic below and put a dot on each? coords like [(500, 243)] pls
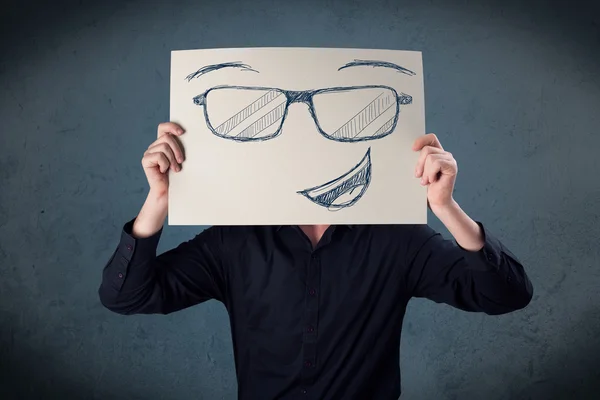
[(572, 370), (30, 375), (564, 364), (27, 375), (31, 372)]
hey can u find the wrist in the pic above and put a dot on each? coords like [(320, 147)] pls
[(465, 230), (158, 197), (443, 211), (151, 217)]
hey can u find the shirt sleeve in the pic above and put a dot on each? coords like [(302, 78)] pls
[(491, 280), (136, 281)]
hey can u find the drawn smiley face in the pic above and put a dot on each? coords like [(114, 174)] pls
[(370, 113)]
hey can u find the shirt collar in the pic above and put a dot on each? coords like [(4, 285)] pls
[(278, 227)]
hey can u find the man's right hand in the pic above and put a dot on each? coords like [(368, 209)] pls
[(163, 154)]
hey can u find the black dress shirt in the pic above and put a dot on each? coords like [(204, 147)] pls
[(314, 323)]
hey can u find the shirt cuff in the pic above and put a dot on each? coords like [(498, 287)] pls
[(491, 252), (130, 245), (129, 252)]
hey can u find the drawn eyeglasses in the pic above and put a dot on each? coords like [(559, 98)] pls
[(343, 114)]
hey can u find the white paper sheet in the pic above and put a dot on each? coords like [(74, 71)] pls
[(278, 136)]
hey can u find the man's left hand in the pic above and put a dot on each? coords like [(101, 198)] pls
[(437, 170)]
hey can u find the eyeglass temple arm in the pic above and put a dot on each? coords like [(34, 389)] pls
[(199, 100), (404, 98)]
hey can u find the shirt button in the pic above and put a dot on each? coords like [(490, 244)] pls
[(307, 364), (129, 247), (120, 275), (303, 391), (312, 292), (310, 329)]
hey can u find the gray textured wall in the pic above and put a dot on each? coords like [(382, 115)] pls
[(513, 91)]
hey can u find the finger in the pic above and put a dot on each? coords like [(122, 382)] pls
[(425, 152), (174, 144), (167, 151), (169, 127), (152, 160), (437, 165), (427, 140), (165, 148), (430, 169)]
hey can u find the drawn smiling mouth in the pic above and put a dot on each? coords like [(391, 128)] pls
[(345, 190)]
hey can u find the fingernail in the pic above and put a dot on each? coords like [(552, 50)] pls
[(179, 130), (180, 160)]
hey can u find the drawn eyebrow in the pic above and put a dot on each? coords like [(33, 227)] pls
[(209, 68), (375, 63)]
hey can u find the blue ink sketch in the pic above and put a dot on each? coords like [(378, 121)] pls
[(209, 68), (343, 114), (345, 190), (264, 110), (374, 64)]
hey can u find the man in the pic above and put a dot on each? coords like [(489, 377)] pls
[(316, 311)]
